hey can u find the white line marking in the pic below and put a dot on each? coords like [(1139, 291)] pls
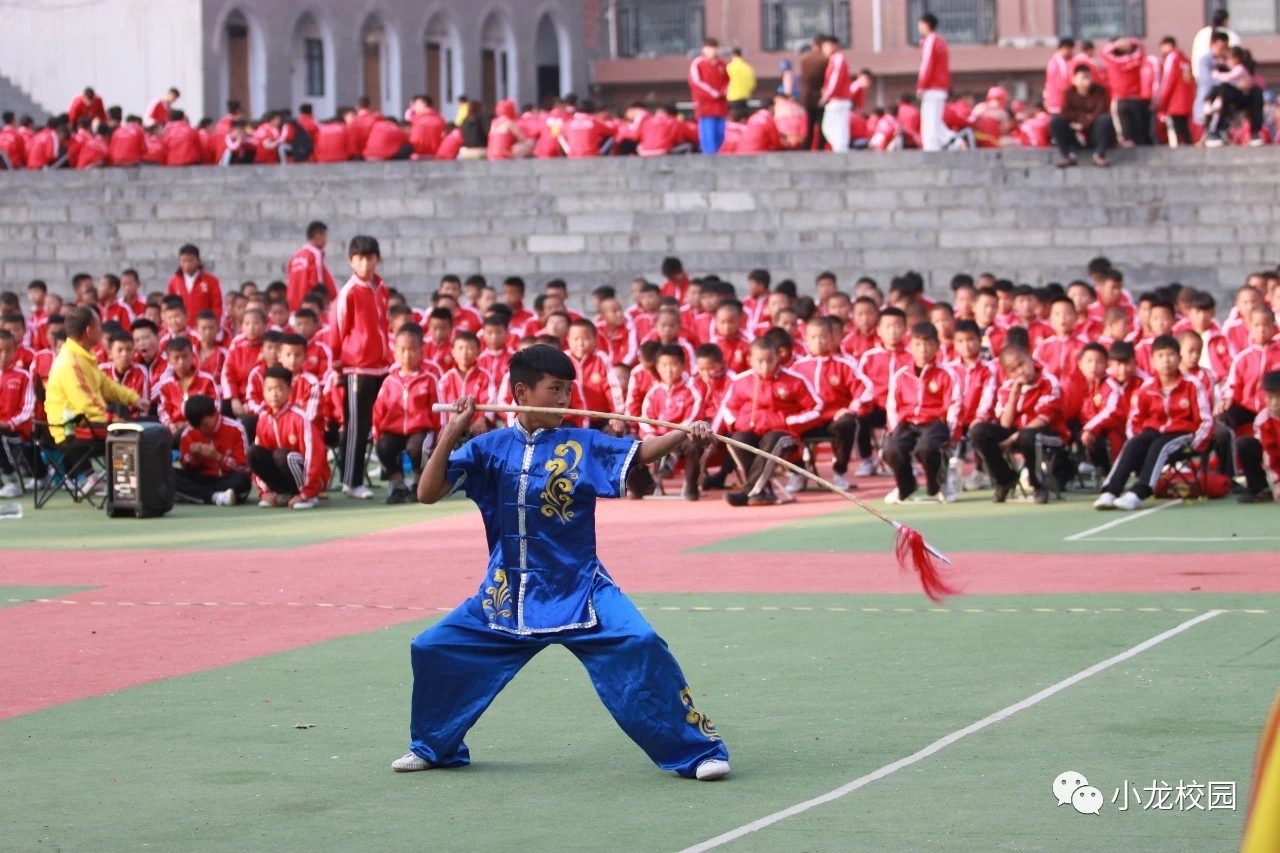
[(1187, 539), (1125, 519), (944, 742)]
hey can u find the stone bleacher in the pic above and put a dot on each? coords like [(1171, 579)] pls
[(1203, 218)]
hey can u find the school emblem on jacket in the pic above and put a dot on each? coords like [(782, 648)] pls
[(933, 387), (293, 439), (1184, 403), (834, 380), (782, 393), (204, 288), (1097, 399), (596, 377)]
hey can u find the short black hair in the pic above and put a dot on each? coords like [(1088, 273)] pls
[(760, 275), (672, 266), (1166, 342), (961, 280), (278, 372), (198, 407), (1120, 351), (119, 338), (529, 366), (411, 329), (141, 323), (441, 314), (929, 20), (925, 332), (1271, 382), (173, 303), (497, 318), (1093, 346), (967, 327), (514, 281), (674, 350), (1099, 265), (363, 244), (709, 351), (469, 337), (316, 228), (1202, 300), (893, 312), (189, 249), (787, 288), (177, 344), (293, 339), (273, 337), (1018, 336), (79, 320), (605, 291)]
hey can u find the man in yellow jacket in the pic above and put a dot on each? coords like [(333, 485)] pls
[(742, 80), (77, 391)]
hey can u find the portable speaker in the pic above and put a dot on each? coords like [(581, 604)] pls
[(140, 476)]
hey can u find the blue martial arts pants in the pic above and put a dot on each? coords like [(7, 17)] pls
[(460, 664)]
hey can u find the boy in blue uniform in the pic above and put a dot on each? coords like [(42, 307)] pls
[(536, 484)]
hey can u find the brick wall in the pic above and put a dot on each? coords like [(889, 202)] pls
[(1204, 218)]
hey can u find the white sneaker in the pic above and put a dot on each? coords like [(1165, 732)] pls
[(96, 483), (840, 481), (1087, 469), (225, 498), (309, 503), (359, 493), (11, 490), (1106, 500), (1024, 479), (1129, 501), (795, 483), (893, 497), (409, 763), (947, 494), (712, 768), (266, 504), (866, 468), (973, 481)]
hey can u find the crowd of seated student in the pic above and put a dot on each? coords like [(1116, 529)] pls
[(266, 381)]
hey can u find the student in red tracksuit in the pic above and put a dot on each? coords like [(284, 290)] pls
[(727, 334), (307, 267), (841, 387), (1028, 404), (1060, 351), (667, 330), (362, 354), (242, 356), (767, 407), (642, 377), (307, 392), (1168, 413), (977, 379), (123, 368), (17, 410), (878, 364), (709, 84), (403, 421), (213, 456), (1260, 453), (674, 399), (1160, 320), (198, 289), (466, 379), (600, 387), (287, 457), (1104, 408), (862, 335), (922, 416), (617, 335), (1177, 94), (179, 383)]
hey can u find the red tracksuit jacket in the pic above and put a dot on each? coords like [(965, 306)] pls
[(878, 365), (712, 394), (17, 400), (205, 293), (454, 386), (170, 396), (1181, 408), (289, 429), (709, 84), (242, 357), (306, 270), (1058, 355), (599, 384), (229, 438), (360, 325), (137, 378), (678, 404), (1243, 385), (920, 398), (977, 392), (784, 401), (404, 404), (1043, 399), (837, 381), (1266, 428)]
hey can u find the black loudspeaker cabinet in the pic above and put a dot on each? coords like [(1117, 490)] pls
[(140, 476)]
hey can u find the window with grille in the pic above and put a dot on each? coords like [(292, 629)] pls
[(315, 68), (959, 21), (1099, 20), (1251, 17), (658, 27), (792, 24)]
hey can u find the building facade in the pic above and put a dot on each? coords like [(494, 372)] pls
[(646, 45), (270, 54)]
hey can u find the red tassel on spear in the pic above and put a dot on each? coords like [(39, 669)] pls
[(914, 553)]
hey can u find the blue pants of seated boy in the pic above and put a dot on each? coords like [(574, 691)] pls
[(460, 664)]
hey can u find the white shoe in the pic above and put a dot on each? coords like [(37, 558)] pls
[(973, 481), (893, 497), (712, 768), (409, 763), (96, 483), (1129, 501), (359, 493), (795, 483), (1087, 469), (947, 494), (309, 503), (840, 481), (1106, 500), (11, 490), (866, 468), (1024, 479), (225, 498)]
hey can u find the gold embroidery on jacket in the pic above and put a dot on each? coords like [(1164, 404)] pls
[(562, 476)]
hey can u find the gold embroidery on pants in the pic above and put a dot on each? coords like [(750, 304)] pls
[(695, 717)]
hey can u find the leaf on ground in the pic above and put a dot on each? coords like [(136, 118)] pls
[(305, 726)]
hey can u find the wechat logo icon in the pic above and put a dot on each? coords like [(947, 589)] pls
[(1071, 787)]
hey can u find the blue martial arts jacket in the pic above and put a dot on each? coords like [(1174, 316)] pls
[(537, 494)]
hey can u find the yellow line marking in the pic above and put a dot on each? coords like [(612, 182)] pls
[(870, 609), (794, 608)]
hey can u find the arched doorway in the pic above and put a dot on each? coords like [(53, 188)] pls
[(444, 65), (551, 46), (312, 68), (497, 61), (244, 62), (380, 65)]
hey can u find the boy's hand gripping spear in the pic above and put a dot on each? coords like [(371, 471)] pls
[(910, 547)]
